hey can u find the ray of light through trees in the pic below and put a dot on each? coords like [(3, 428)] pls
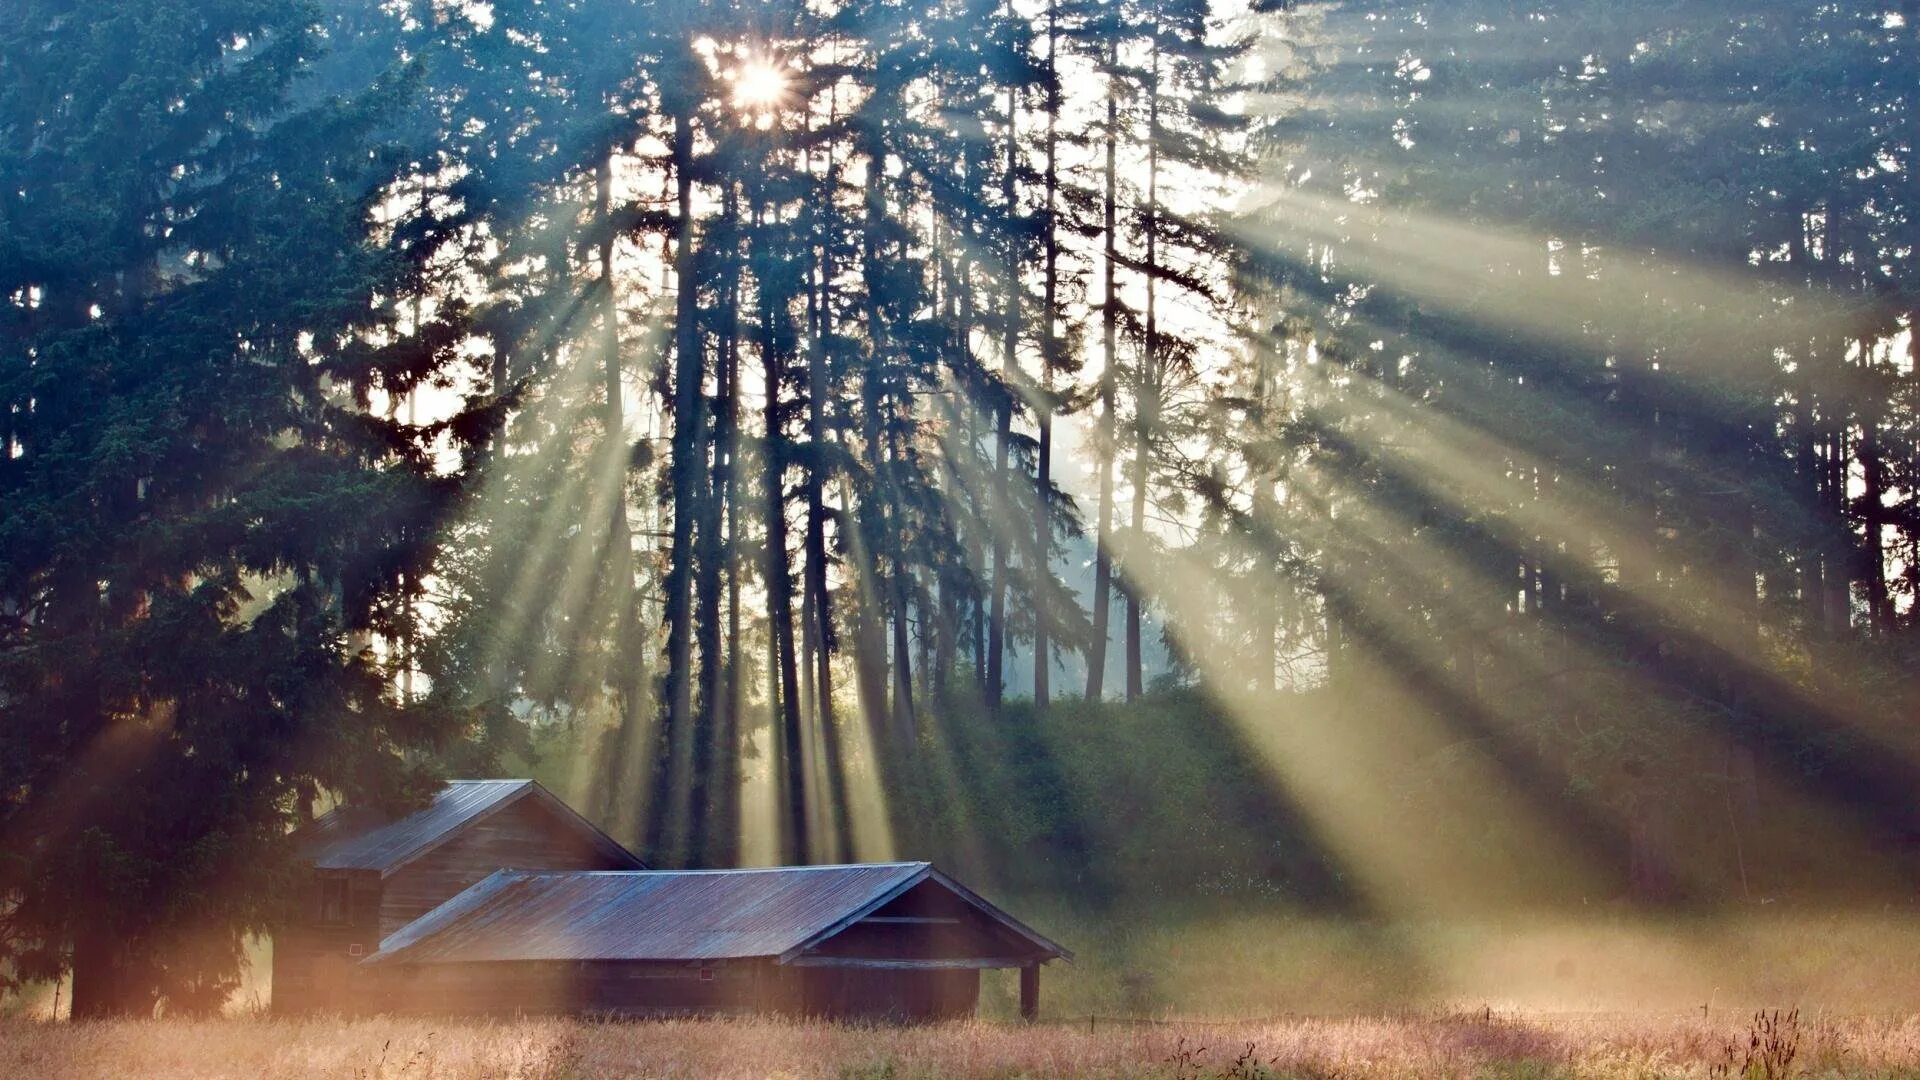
[(1478, 444)]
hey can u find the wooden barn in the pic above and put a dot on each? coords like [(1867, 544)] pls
[(364, 876), (899, 941)]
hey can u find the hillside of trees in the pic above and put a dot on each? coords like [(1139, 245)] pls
[(1360, 454)]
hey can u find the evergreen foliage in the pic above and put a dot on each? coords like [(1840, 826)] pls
[(213, 537), (728, 399)]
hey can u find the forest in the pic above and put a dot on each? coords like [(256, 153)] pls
[(1359, 460)]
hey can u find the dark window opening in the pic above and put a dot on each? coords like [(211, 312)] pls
[(333, 900)]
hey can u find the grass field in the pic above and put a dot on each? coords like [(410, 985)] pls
[(1256, 964), (1430, 1045), (1611, 996)]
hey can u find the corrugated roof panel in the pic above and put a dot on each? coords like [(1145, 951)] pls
[(645, 915), (358, 839)]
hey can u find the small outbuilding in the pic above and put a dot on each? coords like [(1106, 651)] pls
[(364, 875), (898, 941)]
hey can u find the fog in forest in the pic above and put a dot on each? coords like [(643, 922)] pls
[(1325, 506)]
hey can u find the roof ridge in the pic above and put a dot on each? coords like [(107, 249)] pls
[(897, 865), (384, 842)]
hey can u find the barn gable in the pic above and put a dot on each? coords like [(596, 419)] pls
[(933, 922), (350, 839)]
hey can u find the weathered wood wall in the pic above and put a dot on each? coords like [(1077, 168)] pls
[(609, 988), (930, 923), (888, 994), (525, 835), (627, 988), (313, 961)]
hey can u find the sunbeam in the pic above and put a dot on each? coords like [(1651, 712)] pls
[(1365, 505)]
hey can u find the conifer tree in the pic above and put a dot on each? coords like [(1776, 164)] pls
[(213, 529)]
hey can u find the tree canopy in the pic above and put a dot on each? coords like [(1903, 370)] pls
[(763, 415)]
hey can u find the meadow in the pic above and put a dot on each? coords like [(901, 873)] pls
[(1236, 997), (1486, 1044)]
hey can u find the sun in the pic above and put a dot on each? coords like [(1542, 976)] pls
[(758, 85)]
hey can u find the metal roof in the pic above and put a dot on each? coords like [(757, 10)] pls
[(358, 838), (659, 915)]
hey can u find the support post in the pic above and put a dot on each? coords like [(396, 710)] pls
[(1030, 992)]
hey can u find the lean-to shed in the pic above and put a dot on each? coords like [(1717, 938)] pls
[(886, 940), (364, 875)]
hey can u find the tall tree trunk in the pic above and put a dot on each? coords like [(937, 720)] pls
[(984, 499), (832, 760), (1135, 679), (718, 813), (1872, 503), (1263, 510), (897, 572), (905, 727), (1873, 555), (819, 390), (613, 417), (722, 832), (620, 564), (947, 631), (722, 672), (816, 602), (1042, 569), (1001, 524), (1103, 441), (1334, 627), (408, 642), (924, 591), (1002, 515), (871, 661), (1839, 574), (779, 584), (715, 562), (1148, 405), (684, 473), (945, 618), (693, 757), (979, 623), (1806, 447)]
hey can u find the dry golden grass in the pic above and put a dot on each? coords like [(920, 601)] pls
[(1616, 997), (1429, 1045)]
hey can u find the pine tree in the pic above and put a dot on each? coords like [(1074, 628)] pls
[(213, 532)]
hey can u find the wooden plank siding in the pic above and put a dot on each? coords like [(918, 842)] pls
[(606, 988), (637, 989), (927, 924), (919, 994), (314, 957), (524, 835)]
